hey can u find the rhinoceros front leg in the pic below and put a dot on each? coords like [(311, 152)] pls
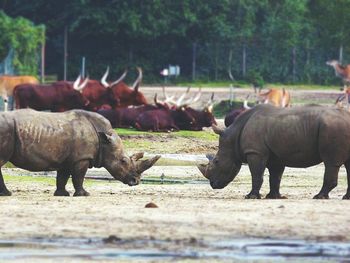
[(61, 181), (257, 165), (3, 190), (330, 181), (78, 174), (347, 166), (276, 171)]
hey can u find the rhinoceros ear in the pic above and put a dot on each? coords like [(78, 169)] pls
[(105, 138)]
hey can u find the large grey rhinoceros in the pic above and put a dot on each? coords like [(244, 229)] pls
[(271, 137), (70, 143)]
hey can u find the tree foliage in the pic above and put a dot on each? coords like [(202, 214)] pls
[(279, 40), (25, 39)]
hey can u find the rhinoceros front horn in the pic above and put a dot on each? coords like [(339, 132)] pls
[(143, 165), (203, 169)]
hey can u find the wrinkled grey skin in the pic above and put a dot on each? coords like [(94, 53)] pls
[(273, 138), (70, 143)]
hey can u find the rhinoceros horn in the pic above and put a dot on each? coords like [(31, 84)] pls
[(203, 169), (143, 165), (217, 130)]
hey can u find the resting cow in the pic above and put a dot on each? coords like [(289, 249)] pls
[(266, 136), (69, 143)]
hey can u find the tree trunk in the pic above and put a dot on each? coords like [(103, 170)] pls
[(216, 60), (244, 60), (294, 61), (194, 54), (65, 52), (229, 68), (341, 54)]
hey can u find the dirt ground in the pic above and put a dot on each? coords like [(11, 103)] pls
[(184, 210), (189, 211)]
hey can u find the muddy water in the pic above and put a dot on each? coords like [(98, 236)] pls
[(113, 248)]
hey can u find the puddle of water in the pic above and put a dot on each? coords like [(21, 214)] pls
[(258, 250)]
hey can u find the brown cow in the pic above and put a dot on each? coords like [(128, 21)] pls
[(276, 97), (100, 94), (57, 97), (8, 83), (341, 71), (129, 96)]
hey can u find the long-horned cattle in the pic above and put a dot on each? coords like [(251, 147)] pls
[(57, 97), (126, 117), (69, 143), (275, 138), (8, 83), (341, 71), (100, 94), (199, 118), (129, 96)]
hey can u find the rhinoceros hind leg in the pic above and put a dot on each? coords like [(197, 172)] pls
[(276, 171), (78, 174), (330, 181), (61, 181), (3, 189)]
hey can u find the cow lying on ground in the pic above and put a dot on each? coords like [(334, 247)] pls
[(69, 143), (273, 138)]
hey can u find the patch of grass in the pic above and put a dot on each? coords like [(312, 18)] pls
[(203, 135)]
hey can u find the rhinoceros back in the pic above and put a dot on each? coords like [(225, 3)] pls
[(52, 141)]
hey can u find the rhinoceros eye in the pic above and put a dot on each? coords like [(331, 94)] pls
[(124, 160), (216, 161)]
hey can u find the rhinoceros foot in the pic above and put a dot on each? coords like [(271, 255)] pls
[(61, 193), (253, 196), (5, 193), (346, 196), (81, 193), (275, 196), (321, 196)]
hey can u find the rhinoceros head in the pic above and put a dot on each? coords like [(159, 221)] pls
[(122, 167), (223, 167)]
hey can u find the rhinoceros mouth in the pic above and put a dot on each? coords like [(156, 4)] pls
[(218, 184)]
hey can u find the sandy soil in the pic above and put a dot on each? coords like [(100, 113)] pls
[(185, 211)]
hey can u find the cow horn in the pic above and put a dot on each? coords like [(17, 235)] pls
[(120, 79), (192, 99), (168, 99), (76, 82), (203, 169), (217, 130), (104, 78), (210, 103), (143, 165), (245, 105), (179, 101), (82, 85), (137, 82)]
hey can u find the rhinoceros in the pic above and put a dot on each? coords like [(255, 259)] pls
[(271, 137), (69, 143)]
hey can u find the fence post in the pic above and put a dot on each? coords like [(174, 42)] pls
[(194, 54), (65, 55)]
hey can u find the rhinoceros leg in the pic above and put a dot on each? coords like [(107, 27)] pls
[(3, 190), (61, 181), (276, 171), (78, 174), (347, 166), (330, 181), (257, 165)]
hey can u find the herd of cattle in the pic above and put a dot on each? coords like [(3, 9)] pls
[(122, 105), (126, 106)]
